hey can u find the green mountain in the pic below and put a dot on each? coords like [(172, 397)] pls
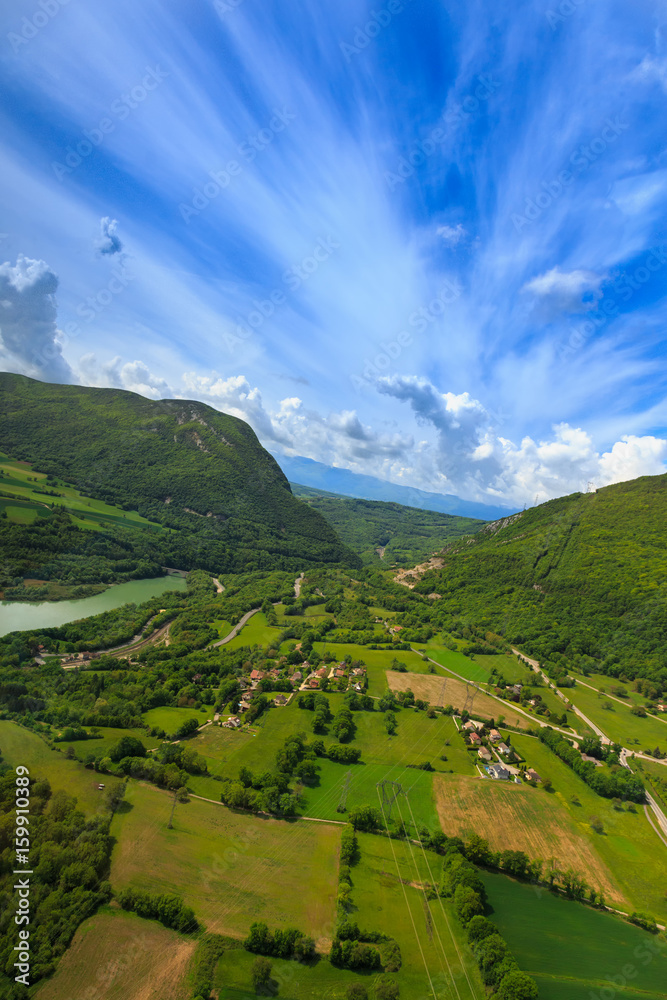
[(581, 579), (385, 533), (179, 464)]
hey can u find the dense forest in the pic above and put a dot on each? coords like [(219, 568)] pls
[(178, 463), (581, 579)]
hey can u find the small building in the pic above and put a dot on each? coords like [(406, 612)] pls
[(471, 724), (532, 774), (484, 753), (233, 722), (495, 736), (661, 707), (503, 749), (256, 675), (475, 739), (313, 682), (359, 671), (517, 688), (280, 699), (297, 676), (498, 772)]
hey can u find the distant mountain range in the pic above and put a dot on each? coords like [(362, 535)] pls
[(351, 484)]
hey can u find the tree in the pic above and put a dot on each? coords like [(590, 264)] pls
[(115, 796), (261, 973), (357, 992), (386, 989), (517, 986), (127, 746)]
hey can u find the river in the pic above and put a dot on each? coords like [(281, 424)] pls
[(19, 615)]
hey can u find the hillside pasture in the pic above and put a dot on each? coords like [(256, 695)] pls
[(573, 950), (231, 868), (118, 956), (20, 746)]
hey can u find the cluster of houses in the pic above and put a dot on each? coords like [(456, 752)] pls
[(302, 678), (494, 754)]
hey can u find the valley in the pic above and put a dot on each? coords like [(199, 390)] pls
[(329, 747)]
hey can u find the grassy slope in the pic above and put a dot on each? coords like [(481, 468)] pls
[(584, 573), (406, 534), (539, 928), (133, 452), (20, 746)]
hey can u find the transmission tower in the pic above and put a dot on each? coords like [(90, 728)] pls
[(343, 795), (390, 790)]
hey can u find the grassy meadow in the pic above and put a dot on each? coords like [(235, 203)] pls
[(20, 746), (231, 868)]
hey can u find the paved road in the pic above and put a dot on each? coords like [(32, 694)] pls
[(550, 684), (235, 631)]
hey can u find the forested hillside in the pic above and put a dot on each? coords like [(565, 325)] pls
[(177, 463), (385, 533), (582, 578)]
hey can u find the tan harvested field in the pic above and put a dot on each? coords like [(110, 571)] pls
[(433, 689), (520, 818), (231, 868), (119, 956)]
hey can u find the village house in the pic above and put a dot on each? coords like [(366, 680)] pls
[(233, 722), (297, 676), (532, 775), (256, 675), (498, 772), (661, 707), (359, 671), (471, 724), (475, 739), (280, 699), (339, 672), (313, 682), (322, 672), (484, 753), (517, 688), (503, 748), (495, 736)]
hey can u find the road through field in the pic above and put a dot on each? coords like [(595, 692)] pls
[(625, 753)]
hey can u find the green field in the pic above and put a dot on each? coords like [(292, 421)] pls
[(293, 980), (170, 719), (21, 747), (617, 722), (431, 940), (541, 929), (108, 736), (255, 633), (231, 868), (26, 505)]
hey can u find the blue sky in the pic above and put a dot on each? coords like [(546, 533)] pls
[(420, 241)]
